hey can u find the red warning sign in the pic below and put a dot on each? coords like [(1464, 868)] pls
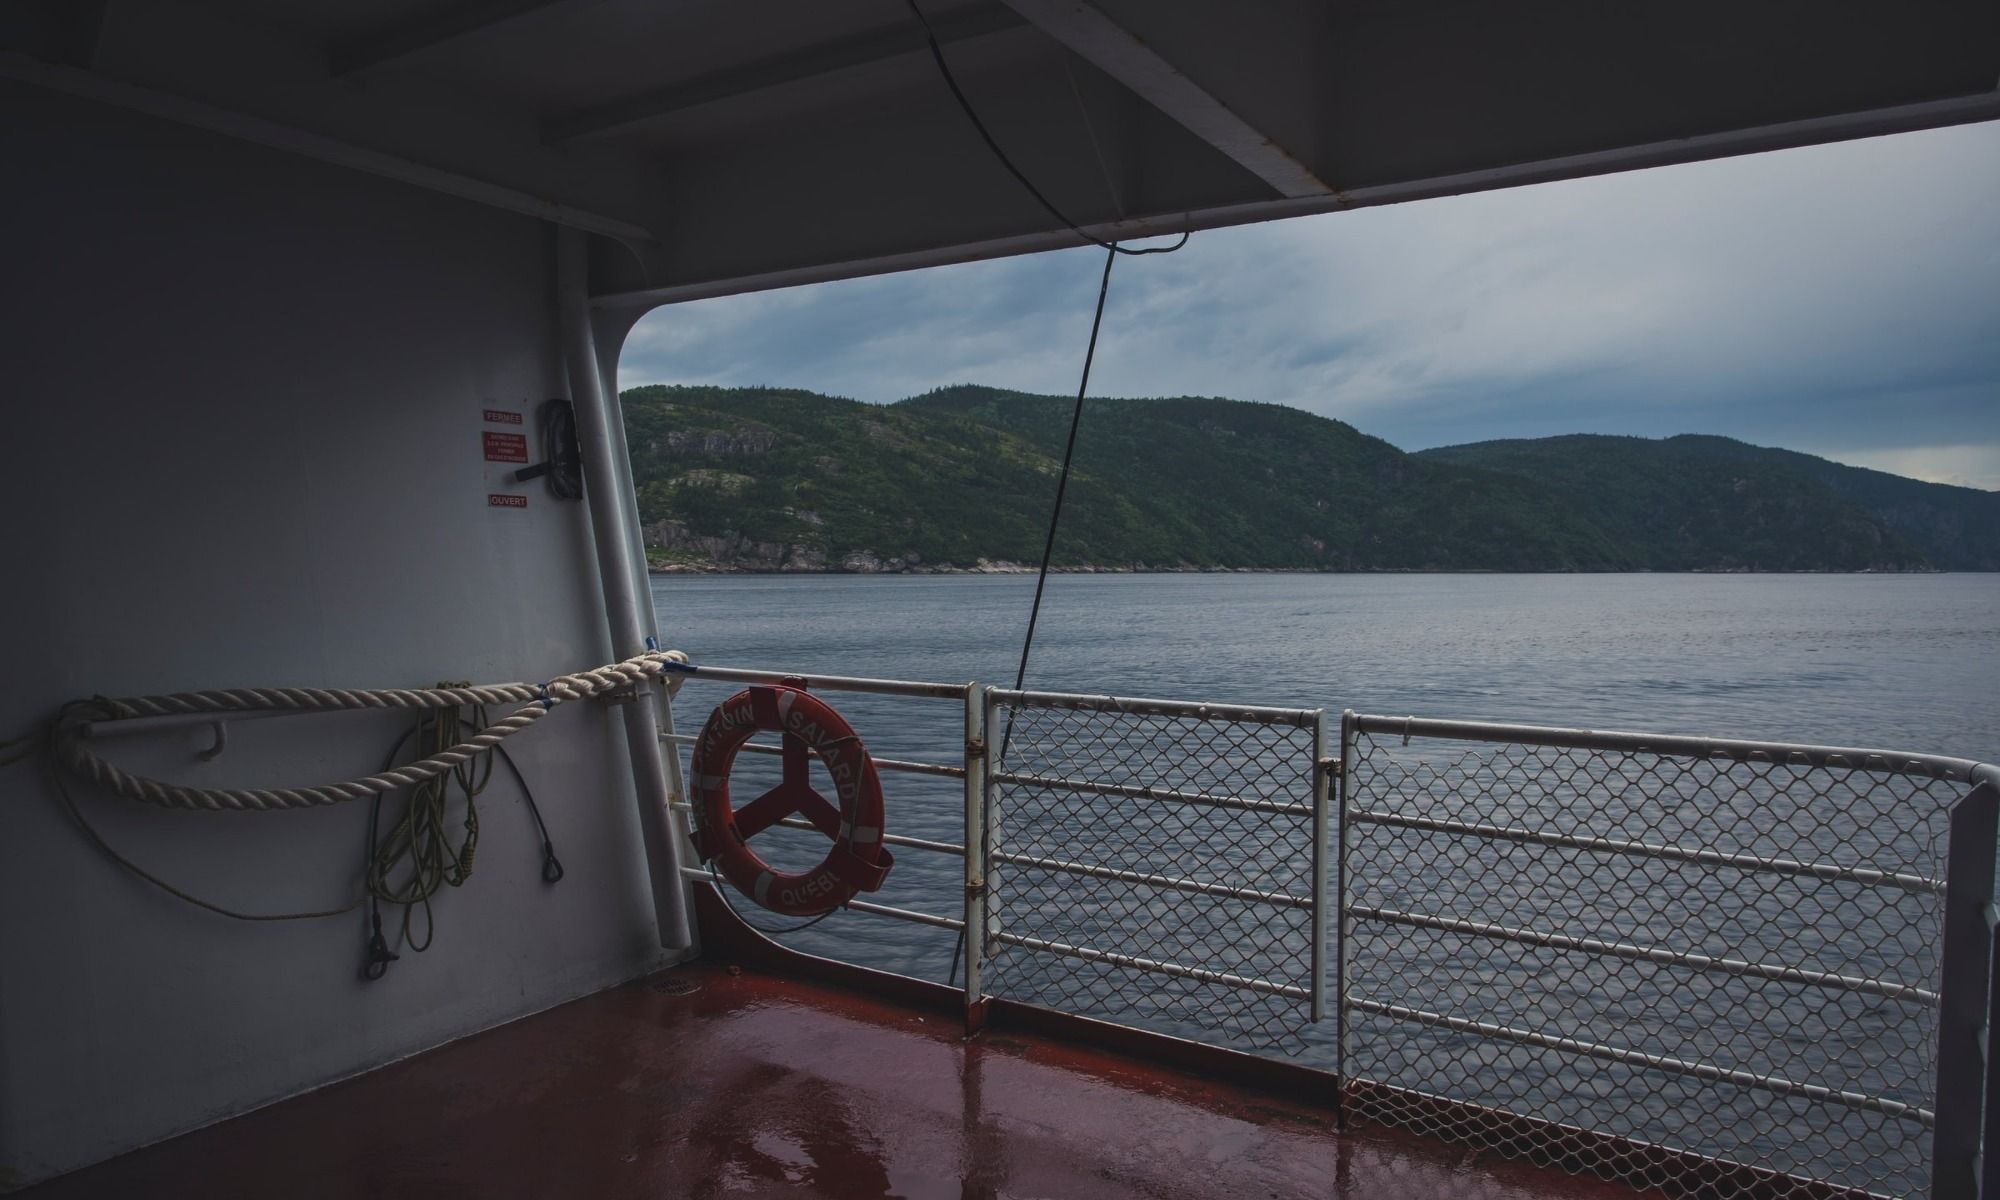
[(500, 416), (505, 447), (498, 500)]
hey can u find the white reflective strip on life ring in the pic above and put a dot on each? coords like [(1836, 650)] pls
[(785, 699), (763, 887), (866, 835), (709, 783)]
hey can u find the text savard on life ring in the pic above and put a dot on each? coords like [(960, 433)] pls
[(857, 862)]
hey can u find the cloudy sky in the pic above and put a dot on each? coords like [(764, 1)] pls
[(1842, 300)]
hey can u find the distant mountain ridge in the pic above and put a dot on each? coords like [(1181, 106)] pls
[(1660, 493), (776, 479)]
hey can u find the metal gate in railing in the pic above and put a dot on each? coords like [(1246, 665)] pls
[(1160, 862), (1152, 862), (1723, 967)]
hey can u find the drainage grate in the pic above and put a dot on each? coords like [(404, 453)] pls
[(674, 986)]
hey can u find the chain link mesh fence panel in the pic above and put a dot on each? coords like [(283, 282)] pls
[(1714, 968), (1728, 957), (1155, 866)]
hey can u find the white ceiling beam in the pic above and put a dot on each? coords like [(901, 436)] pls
[(1126, 57)]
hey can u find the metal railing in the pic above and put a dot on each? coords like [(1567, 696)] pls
[(1160, 861), (1594, 947), (970, 695), (1075, 922), (1712, 966)]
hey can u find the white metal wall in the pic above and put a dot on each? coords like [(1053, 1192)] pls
[(241, 429)]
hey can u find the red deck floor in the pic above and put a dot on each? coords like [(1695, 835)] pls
[(756, 1085)]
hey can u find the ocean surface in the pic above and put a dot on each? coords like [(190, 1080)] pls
[(1905, 661), (1901, 662), (1883, 661)]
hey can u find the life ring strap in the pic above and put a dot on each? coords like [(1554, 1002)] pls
[(860, 875), (848, 867)]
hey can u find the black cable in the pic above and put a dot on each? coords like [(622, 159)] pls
[(1049, 544), (51, 752), (378, 956), (1111, 252), (1062, 480), (763, 929), (951, 81), (552, 868), (957, 947)]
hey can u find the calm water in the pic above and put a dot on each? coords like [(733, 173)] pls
[(1896, 662), (1908, 662)]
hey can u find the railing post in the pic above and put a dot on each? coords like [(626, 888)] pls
[(1341, 921), (1963, 995), (1323, 771), (1989, 1183), (977, 768)]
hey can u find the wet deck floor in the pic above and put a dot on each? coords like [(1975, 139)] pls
[(754, 1085)]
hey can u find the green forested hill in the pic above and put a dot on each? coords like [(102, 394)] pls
[(1697, 502), (1956, 528), (783, 479)]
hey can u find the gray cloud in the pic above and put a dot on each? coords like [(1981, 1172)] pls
[(1838, 299)]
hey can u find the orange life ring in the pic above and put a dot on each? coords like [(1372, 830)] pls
[(857, 862)]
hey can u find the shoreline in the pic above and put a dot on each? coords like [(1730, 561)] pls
[(1010, 568)]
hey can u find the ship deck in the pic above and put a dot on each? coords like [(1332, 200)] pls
[(757, 1084)]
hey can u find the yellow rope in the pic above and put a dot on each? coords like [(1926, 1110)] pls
[(420, 839)]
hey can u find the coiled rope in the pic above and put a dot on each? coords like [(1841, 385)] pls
[(420, 840), (73, 749)]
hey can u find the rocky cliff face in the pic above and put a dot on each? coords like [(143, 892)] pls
[(672, 546), (747, 440)]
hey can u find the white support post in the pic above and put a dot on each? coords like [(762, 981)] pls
[(611, 530), (1342, 924), (977, 770), (1323, 770)]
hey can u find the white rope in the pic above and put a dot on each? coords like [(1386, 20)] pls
[(535, 700)]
